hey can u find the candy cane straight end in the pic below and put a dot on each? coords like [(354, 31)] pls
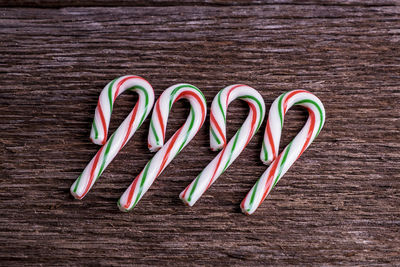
[(74, 193), (245, 212), (153, 148), (185, 201), (266, 162), (215, 149), (100, 140), (213, 143), (121, 207)]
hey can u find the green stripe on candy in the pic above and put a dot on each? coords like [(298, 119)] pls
[(222, 112), (253, 196), (173, 93), (138, 87), (220, 105), (233, 148), (187, 132), (215, 136), (183, 86), (282, 163), (170, 106), (154, 132), (194, 186), (77, 183), (96, 132), (105, 156), (119, 205), (142, 183), (259, 106), (200, 92), (319, 109), (146, 98), (265, 151), (110, 98), (279, 108)]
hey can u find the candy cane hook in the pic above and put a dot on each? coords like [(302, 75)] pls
[(218, 137), (281, 164), (156, 138), (121, 136)]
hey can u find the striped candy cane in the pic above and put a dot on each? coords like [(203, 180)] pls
[(121, 136), (156, 138), (218, 137), (280, 164)]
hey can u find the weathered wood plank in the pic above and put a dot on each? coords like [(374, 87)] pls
[(339, 204), (158, 3)]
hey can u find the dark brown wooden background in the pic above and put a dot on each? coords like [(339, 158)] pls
[(338, 205)]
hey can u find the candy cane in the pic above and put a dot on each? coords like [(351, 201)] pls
[(156, 139), (121, 136), (280, 164), (218, 137)]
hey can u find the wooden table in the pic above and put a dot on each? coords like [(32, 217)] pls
[(338, 205)]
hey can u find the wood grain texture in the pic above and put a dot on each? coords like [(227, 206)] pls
[(339, 203), (192, 3)]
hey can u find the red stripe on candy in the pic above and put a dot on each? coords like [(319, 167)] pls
[(310, 131), (158, 110), (271, 140), (120, 83), (253, 123), (216, 125), (103, 122), (270, 178), (184, 192), (216, 168), (289, 96), (230, 91), (173, 140), (130, 196), (196, 96), (96, 160), (130, 125)]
